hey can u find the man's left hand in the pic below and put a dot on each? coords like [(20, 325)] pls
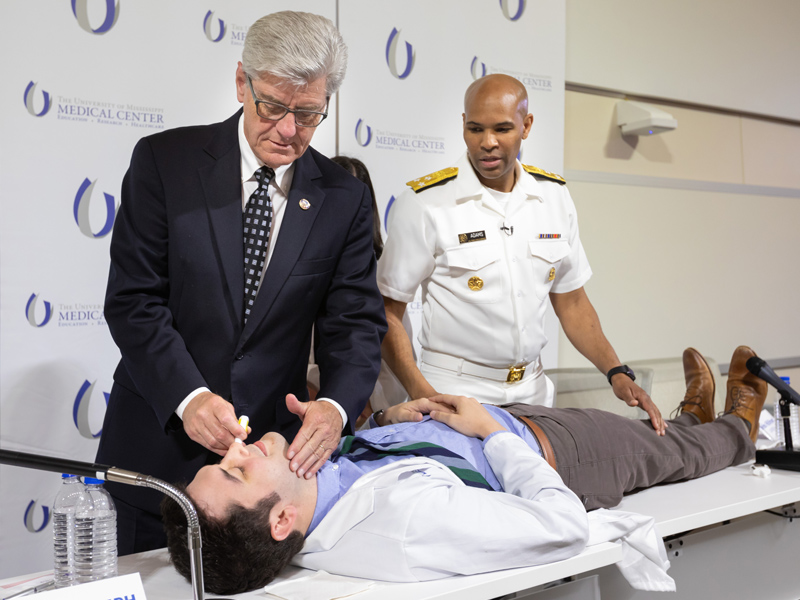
[(318, 437), (630, 393)]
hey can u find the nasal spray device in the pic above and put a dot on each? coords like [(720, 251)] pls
[(244, 421)]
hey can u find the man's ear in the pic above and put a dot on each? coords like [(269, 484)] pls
[(281, 524), (241, 83), (526, 125)]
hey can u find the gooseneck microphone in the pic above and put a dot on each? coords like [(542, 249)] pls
[(785, 457), (762, 370)]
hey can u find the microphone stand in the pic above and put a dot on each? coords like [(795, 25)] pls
[(62, 465), (787, 457)]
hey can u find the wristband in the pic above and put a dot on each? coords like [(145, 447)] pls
[(621, 369)]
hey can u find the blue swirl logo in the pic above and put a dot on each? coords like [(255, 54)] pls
[(207, 27), (30, 311), (391, 55), (30, 92), (80, 210), (80, 410), (386, 214), (504, 6), (81, 11), (361, 127), (477, 68), (28, 518)]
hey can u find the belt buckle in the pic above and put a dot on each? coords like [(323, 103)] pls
[(515, 374)]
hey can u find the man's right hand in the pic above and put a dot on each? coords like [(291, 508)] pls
[(211, 421), (465, 415), (412, 411)]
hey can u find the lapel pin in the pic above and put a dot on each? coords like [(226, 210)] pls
[(305, 204)]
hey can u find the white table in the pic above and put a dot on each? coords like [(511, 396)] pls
[(161, 581), (728, 494), (731, 494), (722, 545)]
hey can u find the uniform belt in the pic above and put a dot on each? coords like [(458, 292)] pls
[(541, 438), (511, 374)]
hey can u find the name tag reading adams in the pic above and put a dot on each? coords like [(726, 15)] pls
[(473, 236), (124, 587)]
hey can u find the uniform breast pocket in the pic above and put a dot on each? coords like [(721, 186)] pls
[(476, 273), (545, 257)]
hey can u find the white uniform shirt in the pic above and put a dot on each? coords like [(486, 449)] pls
[(502, 323)]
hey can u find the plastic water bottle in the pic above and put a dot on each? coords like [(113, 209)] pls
[(96, 535), (72, 495)]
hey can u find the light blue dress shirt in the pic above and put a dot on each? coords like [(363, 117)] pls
[(338, 474)]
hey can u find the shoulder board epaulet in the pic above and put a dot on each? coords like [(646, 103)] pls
[(433, 179), (545, 174)]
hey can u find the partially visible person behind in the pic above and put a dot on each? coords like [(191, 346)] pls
[(388, 390), (359, 170), (232, 241), (448, 486)]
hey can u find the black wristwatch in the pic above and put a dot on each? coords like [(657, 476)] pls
[(621, 369)]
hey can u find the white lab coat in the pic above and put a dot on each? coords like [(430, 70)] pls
[(413, 520)]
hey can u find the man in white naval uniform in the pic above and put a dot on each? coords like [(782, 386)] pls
[(489, 240)]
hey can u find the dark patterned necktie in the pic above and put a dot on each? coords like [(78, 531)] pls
[(358, 449), (257, 220)]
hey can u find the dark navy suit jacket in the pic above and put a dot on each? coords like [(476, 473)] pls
[(174, 301)]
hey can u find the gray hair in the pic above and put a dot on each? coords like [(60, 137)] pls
[(298, 47)]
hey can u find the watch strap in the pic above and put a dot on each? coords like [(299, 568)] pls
[(621, 369)]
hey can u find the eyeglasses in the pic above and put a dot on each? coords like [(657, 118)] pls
[(272, 111)]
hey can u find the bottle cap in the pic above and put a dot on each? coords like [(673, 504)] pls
[(65, 475), (93, 481)]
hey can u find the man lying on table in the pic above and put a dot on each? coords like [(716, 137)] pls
[(448, 486)]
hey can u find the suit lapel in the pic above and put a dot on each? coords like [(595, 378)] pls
[(292, 238), (221, 183)]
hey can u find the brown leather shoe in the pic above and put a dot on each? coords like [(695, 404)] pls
[(746, 392), (700, 387)]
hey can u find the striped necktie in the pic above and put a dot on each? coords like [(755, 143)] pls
[(257, 220), (358, 450)]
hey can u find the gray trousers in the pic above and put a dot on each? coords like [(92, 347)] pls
[(602, 456)]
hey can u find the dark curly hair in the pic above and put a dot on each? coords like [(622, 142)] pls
[(239, 553), (359, 170)]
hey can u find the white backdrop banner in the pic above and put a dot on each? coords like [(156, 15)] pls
[(85, 79)]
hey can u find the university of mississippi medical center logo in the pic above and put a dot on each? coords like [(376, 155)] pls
[(363, 133), (477, 68), (512, 9), (30, 311), (28, 519), (392, 59), (80, 8), (80, 210), (208, 23), (30, 100), (80, 410)]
